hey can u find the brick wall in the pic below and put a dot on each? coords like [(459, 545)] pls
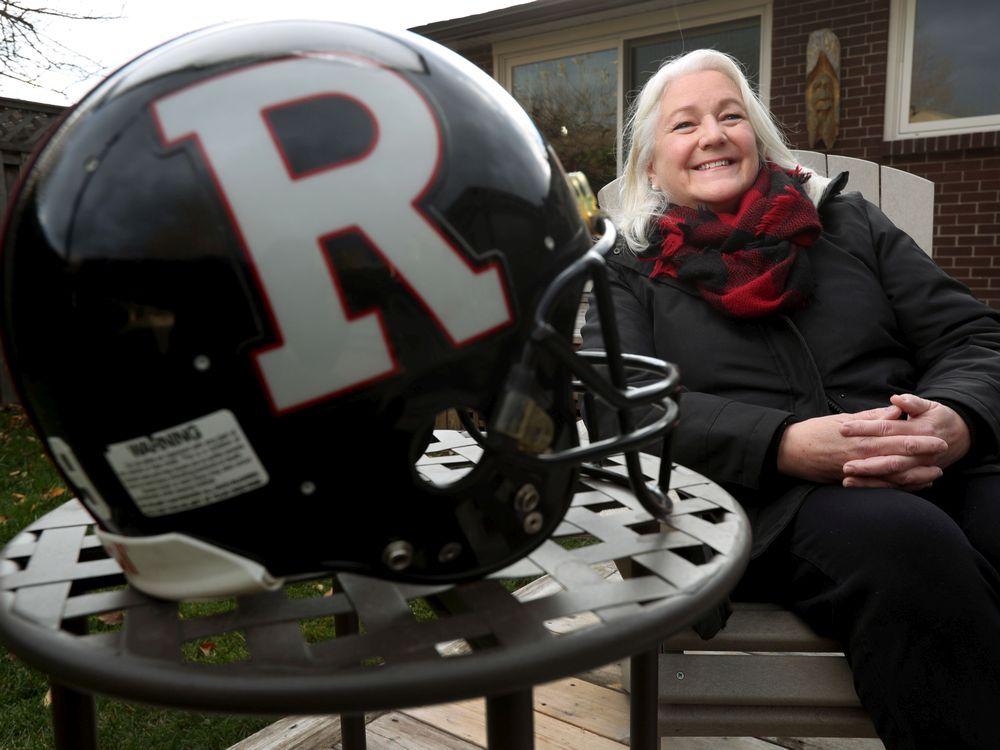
[(862, 26), (966, 213), (965, 169)]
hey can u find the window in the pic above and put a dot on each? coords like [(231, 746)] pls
[(741, 39), (943, 80), (574, 85), (572, 101)]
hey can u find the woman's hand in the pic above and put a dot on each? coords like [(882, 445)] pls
[(818, 449), (925, 418)]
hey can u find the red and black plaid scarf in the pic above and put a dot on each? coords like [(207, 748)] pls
[(751, 263)]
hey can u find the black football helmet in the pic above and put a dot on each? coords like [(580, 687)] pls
[(247, 271)]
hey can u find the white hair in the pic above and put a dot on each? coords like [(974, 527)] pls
[(639, 203)]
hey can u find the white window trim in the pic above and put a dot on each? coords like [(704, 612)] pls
[(614, 33), (902, 18)]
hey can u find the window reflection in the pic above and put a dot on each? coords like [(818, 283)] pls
[(741, 39), (955, 60), (573, 102)]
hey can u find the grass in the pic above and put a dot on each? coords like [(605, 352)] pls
[(29, 488)]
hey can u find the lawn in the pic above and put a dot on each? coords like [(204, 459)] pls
[(30, 487)]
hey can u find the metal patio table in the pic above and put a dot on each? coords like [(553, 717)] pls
[(55, 578)]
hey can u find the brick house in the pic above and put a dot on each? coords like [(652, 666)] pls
[(919, 89), (897, 59)]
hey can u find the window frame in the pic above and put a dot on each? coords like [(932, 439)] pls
[(902, 20), (630, 43), (615, 33)]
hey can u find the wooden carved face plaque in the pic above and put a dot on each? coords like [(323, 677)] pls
[(823, 88)]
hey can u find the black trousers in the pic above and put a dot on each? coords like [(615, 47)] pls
[(908, 583)]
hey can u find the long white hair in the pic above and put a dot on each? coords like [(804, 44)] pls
[(639, 203)]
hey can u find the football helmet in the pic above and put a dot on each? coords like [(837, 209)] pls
[(247, 271)]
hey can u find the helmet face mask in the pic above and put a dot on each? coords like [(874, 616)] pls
[(246, 273)]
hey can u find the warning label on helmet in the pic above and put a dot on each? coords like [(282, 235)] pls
[(188, 466)]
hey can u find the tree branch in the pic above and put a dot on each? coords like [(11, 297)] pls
[(27, 51)]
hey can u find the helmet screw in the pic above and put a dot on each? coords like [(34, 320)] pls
[(550, 244), (526, 499), (533, 523), (91, 164), (307, 487), (449, 552), (202, 363), (398, 555)]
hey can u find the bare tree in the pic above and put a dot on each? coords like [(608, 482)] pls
[(932, 84), (27, 51), (573, 104)]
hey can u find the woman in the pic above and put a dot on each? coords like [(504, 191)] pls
[(839, 384)]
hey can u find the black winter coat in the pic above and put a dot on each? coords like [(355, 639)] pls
[(883, 319)]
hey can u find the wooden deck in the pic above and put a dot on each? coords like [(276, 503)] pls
[(589, 712), (586, 712)]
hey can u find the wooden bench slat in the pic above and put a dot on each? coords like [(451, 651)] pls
[(747, 680), (740, 721), (864, 175), (752, 628)]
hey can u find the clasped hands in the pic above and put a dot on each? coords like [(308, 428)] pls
[(877, 448)]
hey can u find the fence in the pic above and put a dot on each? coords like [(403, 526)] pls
[(22, 124)]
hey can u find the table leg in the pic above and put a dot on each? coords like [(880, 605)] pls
[(74, 720), (352, 726), (644, 710), (352, 731), (510, 721)]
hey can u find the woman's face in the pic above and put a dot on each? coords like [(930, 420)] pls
[(706, 151)]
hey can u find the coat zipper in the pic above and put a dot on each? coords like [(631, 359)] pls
[(817, 378)]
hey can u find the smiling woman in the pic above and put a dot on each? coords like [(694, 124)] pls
[(839, 384), (706, 152)]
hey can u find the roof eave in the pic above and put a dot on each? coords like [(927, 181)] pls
[(497, 24)]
